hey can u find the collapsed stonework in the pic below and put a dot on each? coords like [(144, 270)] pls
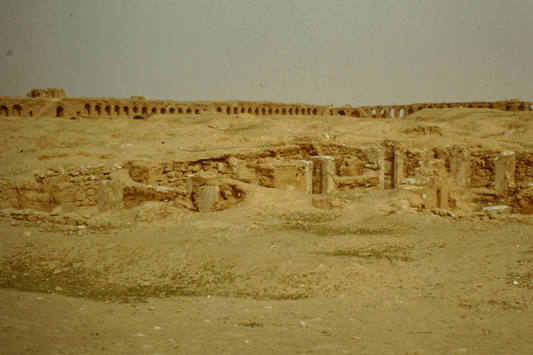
[(456, 178)]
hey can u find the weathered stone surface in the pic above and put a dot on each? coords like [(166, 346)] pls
[(398, 172), (352, 166), (35, 200), (294, 175), (460, 165), (323, 174), (208, 197), (63, 193), (504, 171), (110, 195), (327, 203), (145, 172)]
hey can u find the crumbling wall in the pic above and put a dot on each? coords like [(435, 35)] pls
[(55, 103), (482, 168)]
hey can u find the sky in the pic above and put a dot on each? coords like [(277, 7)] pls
[(323, 52)]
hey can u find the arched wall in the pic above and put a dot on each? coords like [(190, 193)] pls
[(89, 107)]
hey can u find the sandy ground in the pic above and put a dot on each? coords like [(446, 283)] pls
[(274, 275)]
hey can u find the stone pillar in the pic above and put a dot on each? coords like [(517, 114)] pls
[(381, 163), (323, 174), (208, 198), (504, 173), (460, 165), (110, 195), (398, 167)]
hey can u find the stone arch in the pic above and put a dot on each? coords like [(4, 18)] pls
[(256, 111), (284, 111), (392, 113), (17, 110), (126, 110), (144, 111), (154, 110), (341, 113), (163, 110), (87, 109), (60, 111), (276, 111), (314, 112), (401, 113), (243, 110), (219, 109), (235, 110), (250, 110), (197, 111), (410, 111), (98, 109), (117, 110), (270, 110), (356, 113), (31, 113), (296, 111), (188, 110), (521, 107), (180, 110), (373, 113), (530, 107), (172, 110), (135, 109), (108, 110), (263, 111), (228, 110), (4, 111)]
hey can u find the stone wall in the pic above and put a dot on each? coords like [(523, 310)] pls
[(54, 103)]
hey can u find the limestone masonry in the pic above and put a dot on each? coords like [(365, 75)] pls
[(439, 180), (55, 103)]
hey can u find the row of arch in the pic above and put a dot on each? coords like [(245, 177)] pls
[(117, 110), (143, 110), (402, 111), (306, 111), (15, 110)]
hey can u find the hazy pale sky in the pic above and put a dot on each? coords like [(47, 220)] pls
[(357, 52)]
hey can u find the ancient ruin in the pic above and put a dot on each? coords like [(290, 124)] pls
[(441, 179)]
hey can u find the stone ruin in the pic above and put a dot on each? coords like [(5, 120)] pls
[(441, 180), (55, 103)]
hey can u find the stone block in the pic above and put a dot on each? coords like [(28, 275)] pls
[(460, 164), (323, 174), (398, 170), (68, 208), (145, 172), (63, 193), (35, 200), (504, 170), (294, 175), (110, 195), (207, 198), (351, 167)]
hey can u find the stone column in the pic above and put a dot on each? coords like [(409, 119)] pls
[(398, 167), (208, 198), (110, 195), (381, 163), (323, 174), (460, 165), (504, 169)]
